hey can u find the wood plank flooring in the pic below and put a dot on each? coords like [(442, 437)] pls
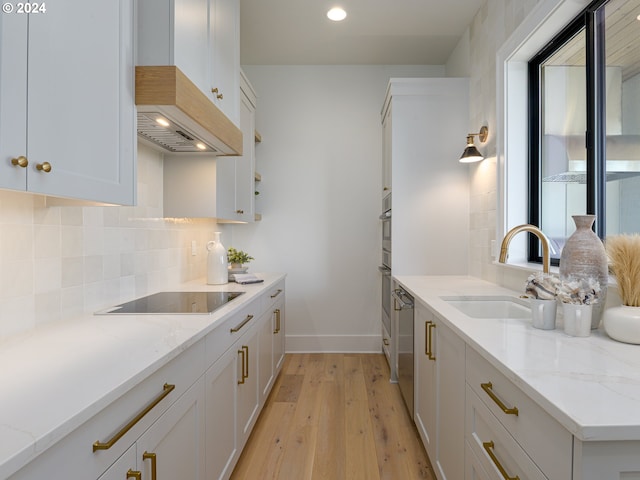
[(334, 417)]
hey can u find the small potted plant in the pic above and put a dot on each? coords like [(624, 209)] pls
[(237, 259)]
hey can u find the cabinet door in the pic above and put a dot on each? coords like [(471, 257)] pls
[(175, 443), (450, 361), (13, 99), (266, 354), (425, 378), (124, 465), (220, 417), (81, 113), (245, 165), (386, 153), (247, 372), (225, 54)]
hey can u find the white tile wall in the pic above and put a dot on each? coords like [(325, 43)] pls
[(61, 261)]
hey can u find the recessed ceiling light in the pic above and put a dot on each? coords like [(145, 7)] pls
[(336, 14)]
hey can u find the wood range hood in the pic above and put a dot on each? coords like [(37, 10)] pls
[(191, 123)]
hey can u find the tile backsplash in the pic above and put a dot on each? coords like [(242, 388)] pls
[(57, 262)]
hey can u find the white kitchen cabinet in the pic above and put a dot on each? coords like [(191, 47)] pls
[(173, 447), (235, 176), (201, 38), (271, 348), (425, 122), (67, 116), (221, 187), (439, 392), (248, 396)]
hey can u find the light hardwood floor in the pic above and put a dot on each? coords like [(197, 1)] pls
[(334, 417)]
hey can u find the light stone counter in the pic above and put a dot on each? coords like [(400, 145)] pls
[(56, 377), (590, 385)]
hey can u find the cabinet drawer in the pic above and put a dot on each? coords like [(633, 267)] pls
[(547, 442), (73, 457), (493, 447), (222, 337), (272, 295)]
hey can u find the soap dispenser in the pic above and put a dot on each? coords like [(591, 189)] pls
[(217, 273)]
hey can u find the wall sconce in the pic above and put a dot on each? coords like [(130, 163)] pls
[(471, 153)]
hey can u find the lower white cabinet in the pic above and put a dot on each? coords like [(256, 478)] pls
[(439, 392), (173, 447), (248, 398)]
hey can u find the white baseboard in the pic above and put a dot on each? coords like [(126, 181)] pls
[(334, 344)]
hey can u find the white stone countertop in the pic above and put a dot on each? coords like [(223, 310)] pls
[(56, 377), (590, 385)]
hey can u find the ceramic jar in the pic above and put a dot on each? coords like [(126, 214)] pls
[(622, 323), (584, 256), (217, 262), (577, 319)]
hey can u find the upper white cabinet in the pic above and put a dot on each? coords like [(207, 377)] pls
[(67, 115), (201, 38), (425, 121), (223, 187)]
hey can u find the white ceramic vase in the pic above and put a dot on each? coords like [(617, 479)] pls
[(584, 256), (217, 273), (622, 323)]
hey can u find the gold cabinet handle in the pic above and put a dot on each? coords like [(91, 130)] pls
[(426, 337), (152, 457), (98, 445), (488, 388), (278, 292), (277, 315), (431, 327), (218, 95), (241, 324), (244, 361), (488, 447), (134, 474), (246, 349), (239, 211), (385, 341), (43, 167), (21, 161)]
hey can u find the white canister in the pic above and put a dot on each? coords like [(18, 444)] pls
[(543, 313), (217, 273)]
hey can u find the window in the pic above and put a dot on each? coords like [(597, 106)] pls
[(584, 131)]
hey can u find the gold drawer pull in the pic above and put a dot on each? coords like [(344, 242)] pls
[(278, 292), (43, 167), (134, 474), (277, 314), (488, 447), (432, 326), (166, 390), (21, 161), (487, 387), (385, 341), (153, 458), (242, 324)]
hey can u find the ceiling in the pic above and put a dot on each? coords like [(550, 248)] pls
[(375, 32)]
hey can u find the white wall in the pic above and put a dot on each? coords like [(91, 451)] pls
[(320, 160), (58, 262)]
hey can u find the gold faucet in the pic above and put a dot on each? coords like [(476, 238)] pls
[(504, 247)]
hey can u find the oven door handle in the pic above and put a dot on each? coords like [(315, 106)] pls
[(404, 301)]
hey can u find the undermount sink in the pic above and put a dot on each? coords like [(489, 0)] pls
[(490, 306)]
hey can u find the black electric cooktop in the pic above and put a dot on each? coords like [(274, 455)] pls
[(174, 303)]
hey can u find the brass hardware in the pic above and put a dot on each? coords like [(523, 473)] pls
[(431, 327), (277, 314), (134, 474), (242, 324), (239, 211), (98, 445), (546, 246), (426, 337), (153, 458), (277, 293), (21, 161), (385, 341), (218, 95), (43, 167), (246, 349), (488, 447), (488, 388), (245, 363)]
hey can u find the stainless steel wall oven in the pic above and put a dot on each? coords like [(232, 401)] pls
[(388, 346)]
